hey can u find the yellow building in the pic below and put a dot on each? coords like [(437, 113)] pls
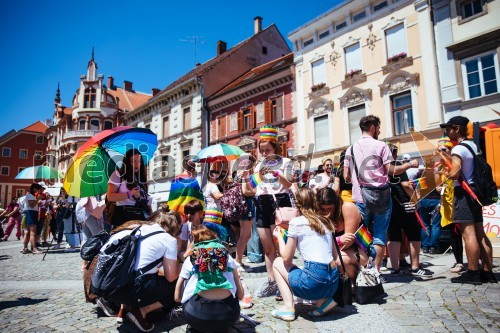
[(361, 58)]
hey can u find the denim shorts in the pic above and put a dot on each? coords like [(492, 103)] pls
[(315, 281), (380, 222), (31, 217)]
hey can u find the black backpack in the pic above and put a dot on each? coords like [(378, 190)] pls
[(114, 273), (93, 245), (484, 185)]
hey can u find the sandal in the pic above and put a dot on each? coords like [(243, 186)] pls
[(323, 309), (25, 251), (37, 252), (287, 315)]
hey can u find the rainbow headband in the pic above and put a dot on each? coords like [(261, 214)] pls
[(445, 142), (213, 215), (269, 133)]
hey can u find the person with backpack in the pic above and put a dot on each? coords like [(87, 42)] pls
[(209, 285), (467, 212), (146, 282)]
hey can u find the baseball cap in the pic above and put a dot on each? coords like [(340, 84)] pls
[(406, 157), (456, 121), (42, 184)]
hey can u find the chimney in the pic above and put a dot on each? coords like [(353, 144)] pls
[(48, 122), (155, 91), (257, 25), (221, 47), (127, 85), (111, 82)]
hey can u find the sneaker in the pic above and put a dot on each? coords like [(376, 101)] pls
[(121, 317), (383, 267), (139, 321), (421, 272), (468, 277), (67, 246), (487, 277), (434, 250), (404, 264), (56, 247), (457, 268), (106, 307), (175, 313), (270, 289), (425, 250), (397, 272)]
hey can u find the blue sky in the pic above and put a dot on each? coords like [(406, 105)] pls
[(46, 42)]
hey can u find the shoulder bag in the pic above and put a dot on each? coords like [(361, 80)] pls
[(285, 214), (376, 199), (343, 295), (368, 285)]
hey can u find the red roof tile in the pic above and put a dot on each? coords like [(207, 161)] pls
[(67, 110), (258, 72), (207, 66), (38, 127), (129, 100)]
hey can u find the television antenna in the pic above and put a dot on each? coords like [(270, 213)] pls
[(195, 40)]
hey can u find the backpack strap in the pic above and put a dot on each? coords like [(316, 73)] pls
[(154, 263), (354, 162), (473, 158)]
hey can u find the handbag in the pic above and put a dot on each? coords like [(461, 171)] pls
[(368, 285), (67, 213), (343, 295), (110, 206), (375, 199), (284, 214)]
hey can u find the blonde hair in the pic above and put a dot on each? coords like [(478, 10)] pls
[(308, 206)]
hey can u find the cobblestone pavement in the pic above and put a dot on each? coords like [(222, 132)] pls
[(47, 296)]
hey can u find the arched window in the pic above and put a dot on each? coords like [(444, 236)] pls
[(108, 124), (94, 125), (81, 125), (89, 98)]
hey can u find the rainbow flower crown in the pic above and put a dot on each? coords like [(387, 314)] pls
[(268, 133), (213, 216)]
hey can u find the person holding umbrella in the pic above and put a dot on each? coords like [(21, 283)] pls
[(128, 188)]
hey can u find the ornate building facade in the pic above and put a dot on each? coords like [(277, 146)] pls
[(95, 107), (366, 57)]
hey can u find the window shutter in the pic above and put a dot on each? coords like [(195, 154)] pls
[(319, 71), (279, 109), (252, 117), (353, 58), (268, 112), (240, 121), (396, 40), (284, 149)]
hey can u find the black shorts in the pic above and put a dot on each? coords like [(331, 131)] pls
[(400, 219), (216, 315), (148, 289), (465, 209), (266, 208)]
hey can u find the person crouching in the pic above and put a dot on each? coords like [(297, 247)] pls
[(213, 287)]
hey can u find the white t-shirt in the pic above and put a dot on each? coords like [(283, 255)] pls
[(467, 160), (122, 188), (311, 245), (271, 185), (210, 201), (161, 245), (187, 274), (29, 197), (185, 231), (319, 181)]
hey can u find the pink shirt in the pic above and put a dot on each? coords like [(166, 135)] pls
[(371, 157)]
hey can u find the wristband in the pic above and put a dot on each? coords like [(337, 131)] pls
[(276, 174), (339, 242)]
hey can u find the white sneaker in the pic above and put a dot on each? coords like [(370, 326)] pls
[(56, 247), (67, 246)]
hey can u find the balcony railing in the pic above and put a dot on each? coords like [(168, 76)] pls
[(80, 134)]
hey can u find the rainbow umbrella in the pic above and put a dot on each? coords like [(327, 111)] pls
[(218, 152), (183, 189), (39, 172), (97, 159)]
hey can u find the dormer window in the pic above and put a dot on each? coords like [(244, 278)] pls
[(89, 98)]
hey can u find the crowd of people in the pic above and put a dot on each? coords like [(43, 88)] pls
[(198, 261)]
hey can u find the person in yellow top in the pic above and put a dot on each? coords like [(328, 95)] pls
[(445, 188)]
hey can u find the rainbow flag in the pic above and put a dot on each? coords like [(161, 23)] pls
[(420, 183), (213, 215), (363, 238), (255, 180), (183, 189)]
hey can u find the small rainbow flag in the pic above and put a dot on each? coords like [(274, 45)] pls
[(363, 238), (213, 215), (255, 180), (419, 184)]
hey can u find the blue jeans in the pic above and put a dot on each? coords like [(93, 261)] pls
[(425, 207), (380, 222), (316, 281)]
